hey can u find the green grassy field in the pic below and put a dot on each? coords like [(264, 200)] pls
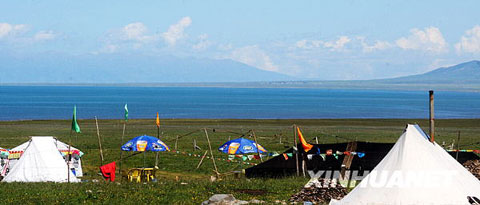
[(179, 180)]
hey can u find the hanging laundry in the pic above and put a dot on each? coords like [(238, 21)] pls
[(285, 156), (108, 171), (290, 154)]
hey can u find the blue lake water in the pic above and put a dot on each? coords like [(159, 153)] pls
[(47, 102)]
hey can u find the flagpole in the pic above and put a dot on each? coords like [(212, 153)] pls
[(99, 142), (121, 153), (295, 145), (68, 155)]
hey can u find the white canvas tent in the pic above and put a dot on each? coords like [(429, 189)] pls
[(40, 162), (415, 171), (16, 153)]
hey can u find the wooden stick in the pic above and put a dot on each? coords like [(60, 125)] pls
[(99, 142), (121, 152), (201, 160), (316, 140), (211, 153), (280, 139), (432, 117), (176, 141), (295, 145), (256, 144), (458, 144)]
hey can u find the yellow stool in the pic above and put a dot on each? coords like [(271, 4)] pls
[(134, 174)]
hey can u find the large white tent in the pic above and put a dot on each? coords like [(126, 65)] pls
[(16, 153), (415, 171), (40, 162)]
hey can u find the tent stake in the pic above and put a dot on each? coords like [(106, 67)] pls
[(211, 153), (295, 146), (256, 144), (99, 142)]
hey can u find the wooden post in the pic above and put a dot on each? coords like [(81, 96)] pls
[(211, 153), (69, 156), (256, 144), (121, 152), (194, 144), (458, 144), (176, 142), (280, 139), (295, 146), (99, 142), (201, 160), (316, 140), (432, 118)]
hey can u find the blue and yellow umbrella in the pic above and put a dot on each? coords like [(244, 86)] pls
[(241, 146)]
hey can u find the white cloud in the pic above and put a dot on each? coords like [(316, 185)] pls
[(470, 42), (134, 31), (378, 45), (175, 31), (253, 56), (203, 42), (429, 39), (44, 35), (336, 45), (10, 29)]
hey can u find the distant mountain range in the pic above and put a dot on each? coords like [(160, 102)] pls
[(128, 69), (141, 70), (464, 73), (461, 77)]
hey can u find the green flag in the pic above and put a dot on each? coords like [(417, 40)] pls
[(126, 112), (75, 126)]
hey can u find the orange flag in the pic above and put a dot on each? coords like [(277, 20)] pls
[(307, 147), (158, 121)]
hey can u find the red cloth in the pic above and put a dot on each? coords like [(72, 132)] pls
[(108, 171)]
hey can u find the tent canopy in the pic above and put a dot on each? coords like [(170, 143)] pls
[(415, 171), (17, 151), (145, 143), (40, 162), (241, 146)]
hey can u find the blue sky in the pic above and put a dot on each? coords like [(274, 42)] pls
[(306, 39)]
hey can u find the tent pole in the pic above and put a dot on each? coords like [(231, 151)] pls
[(99, 142), (211, 153), (256, 144), (432, 117), (295, 146), (68, 156), (144, 158)]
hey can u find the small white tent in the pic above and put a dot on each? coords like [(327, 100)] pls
[(415, 171), (40, 162)]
